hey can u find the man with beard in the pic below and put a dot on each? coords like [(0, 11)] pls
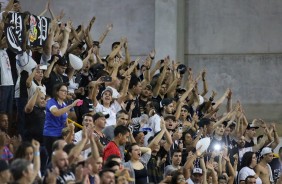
[(60, 160), (175, 162), (242, 149), (144, 97), (263, 169)]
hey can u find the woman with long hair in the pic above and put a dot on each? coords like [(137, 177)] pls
[(56, 116), (138, 158), (249, 161)]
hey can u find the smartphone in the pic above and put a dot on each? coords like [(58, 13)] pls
[(43, 67), (106, 79)]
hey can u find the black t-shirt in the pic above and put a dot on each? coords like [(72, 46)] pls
[(86, 107), (34, 124), (83, 80), (249, 144), (142, 105), (136, 111), (53, 80)]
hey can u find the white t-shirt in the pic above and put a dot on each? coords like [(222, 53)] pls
[(5, 69), (114, 108), (154, 123), (245, 172)]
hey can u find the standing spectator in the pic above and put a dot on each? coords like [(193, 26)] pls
[(121, 134), (263, 168), (137, 165), (56, 75), (99, 124), (35, 80), (56, 116), (35, 116), (249, 161), (122, 119), (25, 64), (175, 162), (6, 84)]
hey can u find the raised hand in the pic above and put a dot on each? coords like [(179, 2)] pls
[(35, 144), (110, 27)]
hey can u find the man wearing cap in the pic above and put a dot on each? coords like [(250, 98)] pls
[(57, 75), (99, 124), (144, 97), (196, 177), (122, 119), (250, 134), (263, 169), (242, 149), (4, 172)]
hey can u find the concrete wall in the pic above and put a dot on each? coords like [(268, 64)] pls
[(232, 27), (132, 18)]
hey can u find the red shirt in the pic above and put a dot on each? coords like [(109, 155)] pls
[(111, 149)]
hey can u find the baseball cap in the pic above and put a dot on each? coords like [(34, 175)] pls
[(265, 150), (99, 115), (197, 170), (107, 89), (3, 165), (250, 126), (165, 102)]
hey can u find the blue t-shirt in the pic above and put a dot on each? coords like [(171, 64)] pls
[(54, 124)]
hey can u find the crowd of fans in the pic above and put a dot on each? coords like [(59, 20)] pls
[(121, 121)]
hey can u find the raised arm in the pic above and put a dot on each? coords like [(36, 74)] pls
[(31, 102), (64, 44), (58, 112), (276, 137), (160, 80), (205, 85), (36, 158), (50, 67), (75, 152), (105, 33)]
